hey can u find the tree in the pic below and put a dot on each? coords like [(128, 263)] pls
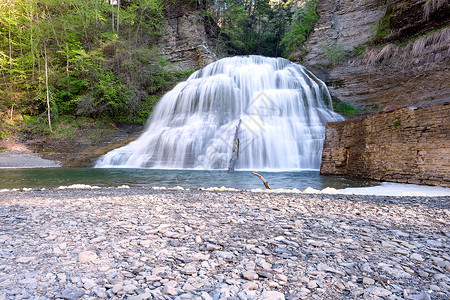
[(306, 17)]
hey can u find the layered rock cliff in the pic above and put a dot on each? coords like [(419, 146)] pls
[(396, 53), (393, 54), (186, 40), (408, 145)]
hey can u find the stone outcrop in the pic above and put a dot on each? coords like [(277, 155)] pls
[(390, 70), (373, 88), (185, 40), (405, 19), (408, 145), (347, 23), (393, 53)]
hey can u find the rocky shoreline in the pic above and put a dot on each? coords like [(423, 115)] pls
[(145, 244)]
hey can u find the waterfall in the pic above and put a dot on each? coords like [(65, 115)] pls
[(282, 106)]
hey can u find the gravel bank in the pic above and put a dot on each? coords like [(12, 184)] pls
[(25, 159), (146, 244)]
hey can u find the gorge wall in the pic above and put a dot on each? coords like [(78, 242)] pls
[(384, 54), (407, 145), (186, 39)]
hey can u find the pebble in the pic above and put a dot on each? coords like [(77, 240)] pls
[(368, 281), (86, 256), (312, 284), (249, 286), (378, 291), (417, 257), (250, 275), (189, 269), (272, 295), (147, 244)]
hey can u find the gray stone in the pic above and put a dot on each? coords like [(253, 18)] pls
[(25, 259), (312, 284), (100, 292), (417, 257), (250, 275), (169, 288), (368, 281), (249, 286), (87, 256), (189, 269), (117, 288), (70, 294), (377, 291), (272, 295)]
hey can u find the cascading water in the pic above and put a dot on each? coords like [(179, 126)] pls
[(281, 107)]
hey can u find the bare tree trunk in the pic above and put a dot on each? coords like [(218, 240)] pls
[(112, 16), (10, 41), (46, 86), (31, 38), (118, 15), (67, 53)]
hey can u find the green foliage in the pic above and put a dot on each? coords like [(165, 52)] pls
[(64, 127), (397, 123), (383, 27), (335, 53), (297, 36), (98, 57), (359, 49), (345, 108), (250, 27)]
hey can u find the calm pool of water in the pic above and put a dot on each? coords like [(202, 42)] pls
[(55, 177)]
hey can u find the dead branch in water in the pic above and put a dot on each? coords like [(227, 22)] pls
[(266, 183)]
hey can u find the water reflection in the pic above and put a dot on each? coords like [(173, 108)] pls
[(110, 177)]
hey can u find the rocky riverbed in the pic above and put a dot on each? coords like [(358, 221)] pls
[(147, 244)]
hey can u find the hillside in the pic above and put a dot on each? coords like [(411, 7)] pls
[(72, 82)]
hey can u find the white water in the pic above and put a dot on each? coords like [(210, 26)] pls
[(283, 108)]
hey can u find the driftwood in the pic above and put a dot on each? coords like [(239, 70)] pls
[(266, 183), (235, 154)]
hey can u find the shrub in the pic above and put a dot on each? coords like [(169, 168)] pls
[(335, 53), (345, 108)]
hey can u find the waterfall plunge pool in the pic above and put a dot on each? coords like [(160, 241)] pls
[(194, 179)]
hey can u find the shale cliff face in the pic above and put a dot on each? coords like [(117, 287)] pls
[(396, 53), (377, 55), (345, 23), (408, 145), (186, 39)]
